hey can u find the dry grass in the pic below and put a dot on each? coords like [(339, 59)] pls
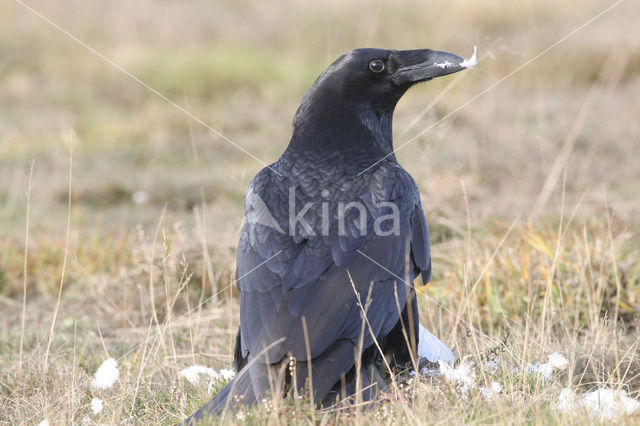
[(531, 190)]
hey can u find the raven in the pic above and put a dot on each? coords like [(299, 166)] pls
[(333, 239)]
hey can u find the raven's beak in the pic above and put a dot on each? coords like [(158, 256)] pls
[(415, 66)]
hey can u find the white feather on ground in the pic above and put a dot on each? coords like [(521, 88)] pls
[(97, 405), (106, 375), (192, 373), (227, 374), (558, 361), (545, 370), (603, 403), (462, 375), (491, 391)]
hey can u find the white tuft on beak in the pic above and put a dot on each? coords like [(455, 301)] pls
[(472, 61), (444, 64)]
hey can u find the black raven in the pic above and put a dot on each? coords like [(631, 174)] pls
[(333, 239)]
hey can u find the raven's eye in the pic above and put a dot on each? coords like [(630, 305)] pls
[(376, 65)]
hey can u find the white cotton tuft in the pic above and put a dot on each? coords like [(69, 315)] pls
[(545, 371), (462, 375), (227, 374), (431, 348), (97, 405), (606, 404), (45, 422), (106, 375), (472, 61), (492, 390), (609, 403), (558, 361), (532, 368), (193, 372), (566, 401)]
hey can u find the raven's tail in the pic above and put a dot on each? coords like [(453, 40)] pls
[(434, 350), (238, 391)]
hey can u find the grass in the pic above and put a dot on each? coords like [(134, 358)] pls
[(519, 271)]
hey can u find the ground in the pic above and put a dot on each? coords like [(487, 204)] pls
[(526, 165)]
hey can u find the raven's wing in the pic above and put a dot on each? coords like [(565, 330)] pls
[(286, 273)]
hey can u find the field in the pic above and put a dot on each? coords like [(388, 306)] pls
[(120, 209)]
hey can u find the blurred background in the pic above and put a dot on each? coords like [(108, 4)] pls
[(506, 148), (545, 131), (242, 67)]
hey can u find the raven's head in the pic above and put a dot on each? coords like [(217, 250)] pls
[(366, 84), (381, 77)]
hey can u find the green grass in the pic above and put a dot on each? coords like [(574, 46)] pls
[(515, 275)]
